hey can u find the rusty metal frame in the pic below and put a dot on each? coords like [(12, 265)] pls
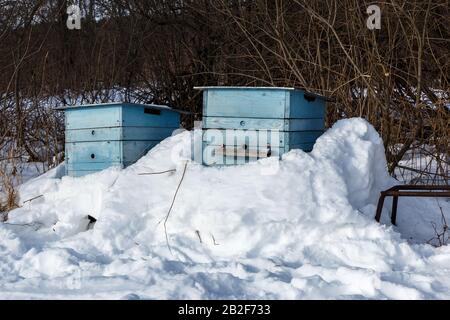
[(409, 191)]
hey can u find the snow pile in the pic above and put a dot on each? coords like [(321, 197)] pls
[(299, 228)]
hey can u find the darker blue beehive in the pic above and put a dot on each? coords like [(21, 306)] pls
[(99, 136)]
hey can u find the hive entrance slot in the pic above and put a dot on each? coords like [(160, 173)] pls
[(309, 97), (243, 151), (152, 111), (92, 156)]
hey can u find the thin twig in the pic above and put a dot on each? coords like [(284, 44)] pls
[(152, 173), (214, 240), (29, 225), (37, 197), (198, 235), (440, 237), (171, 206)]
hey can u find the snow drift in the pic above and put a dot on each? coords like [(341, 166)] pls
[(299, 228)]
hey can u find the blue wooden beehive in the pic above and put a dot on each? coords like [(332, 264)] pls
[(296, 115), (99, 136)]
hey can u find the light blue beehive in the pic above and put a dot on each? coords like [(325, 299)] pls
[(99, 136), (298, 116)]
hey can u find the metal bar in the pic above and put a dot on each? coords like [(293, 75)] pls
[(394, 211), (416, 194), (418, 187), (412, 191), (380, 207)]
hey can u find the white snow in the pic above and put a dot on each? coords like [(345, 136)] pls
[(301, 228)]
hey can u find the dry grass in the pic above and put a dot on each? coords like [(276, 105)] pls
[(442, 232), (9, 177)]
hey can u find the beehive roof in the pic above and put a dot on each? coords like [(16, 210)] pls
[(156, 106), (262, 88)]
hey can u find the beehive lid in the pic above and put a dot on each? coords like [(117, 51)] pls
[(108, 104), (261, 88)]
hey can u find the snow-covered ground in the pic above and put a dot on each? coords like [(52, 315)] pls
[(301, 228)]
